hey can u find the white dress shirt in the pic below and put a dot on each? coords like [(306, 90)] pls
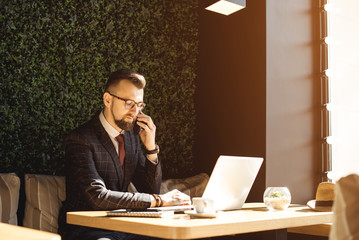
[(111, 131)]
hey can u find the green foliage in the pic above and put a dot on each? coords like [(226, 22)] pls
[(55, 59)]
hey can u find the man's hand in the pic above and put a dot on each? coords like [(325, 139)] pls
[(148, 134), (175, 198)]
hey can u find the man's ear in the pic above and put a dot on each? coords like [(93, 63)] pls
[(107, 99)]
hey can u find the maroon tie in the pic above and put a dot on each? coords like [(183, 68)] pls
[(121, 148)]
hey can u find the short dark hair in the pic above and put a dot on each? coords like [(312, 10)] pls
[(126, 74)]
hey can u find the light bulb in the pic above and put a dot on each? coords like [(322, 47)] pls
[(329, 107), (328, 72), (327, 7), (327, 40), (329, 139), (331, 175)]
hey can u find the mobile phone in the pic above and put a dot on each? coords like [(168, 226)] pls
[(137, 128)]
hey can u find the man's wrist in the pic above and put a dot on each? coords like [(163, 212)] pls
[(158, 200), (155, 150), (153, 201)]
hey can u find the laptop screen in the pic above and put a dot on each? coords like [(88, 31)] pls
[(231, 180)]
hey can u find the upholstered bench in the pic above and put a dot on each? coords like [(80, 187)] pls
[(45, 194)]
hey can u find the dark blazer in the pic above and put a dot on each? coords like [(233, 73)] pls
[(95, 179)]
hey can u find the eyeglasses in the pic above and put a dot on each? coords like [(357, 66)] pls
[(130, 103)]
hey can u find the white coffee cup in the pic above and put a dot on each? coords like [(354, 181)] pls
[(203, 205)]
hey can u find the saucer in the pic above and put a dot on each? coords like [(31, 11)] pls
[(194, 214)]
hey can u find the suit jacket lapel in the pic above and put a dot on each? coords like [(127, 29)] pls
[(108, 145)]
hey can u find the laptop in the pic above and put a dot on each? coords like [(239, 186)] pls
[(229, 184), (231, 180)]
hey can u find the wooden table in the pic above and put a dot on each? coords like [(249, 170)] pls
[(251, 218), (13, 232)]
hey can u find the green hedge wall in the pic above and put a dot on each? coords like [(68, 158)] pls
[(55, 59)]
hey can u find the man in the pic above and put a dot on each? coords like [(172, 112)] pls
[(104, 155)]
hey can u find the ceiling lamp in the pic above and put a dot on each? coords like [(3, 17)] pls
[(227, 7)]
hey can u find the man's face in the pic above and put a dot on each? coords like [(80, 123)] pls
[(122, 117)]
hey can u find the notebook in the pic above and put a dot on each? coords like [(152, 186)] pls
[(231, 180), (139, 213), (176, 209)]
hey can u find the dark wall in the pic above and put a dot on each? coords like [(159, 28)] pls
[(230, 89), (258, 92)]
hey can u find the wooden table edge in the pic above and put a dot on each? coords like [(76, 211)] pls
[(195, 231)]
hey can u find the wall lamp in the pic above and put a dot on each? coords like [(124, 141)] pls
[(227, 7)]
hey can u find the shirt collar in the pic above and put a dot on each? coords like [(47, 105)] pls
[(107, 126)]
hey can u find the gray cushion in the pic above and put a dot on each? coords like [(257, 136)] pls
[(9, 197), (44, 196), (192, 186)]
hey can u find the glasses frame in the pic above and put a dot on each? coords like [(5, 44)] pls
[(129, 103)]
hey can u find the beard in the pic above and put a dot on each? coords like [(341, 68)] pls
[(127, 126)]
